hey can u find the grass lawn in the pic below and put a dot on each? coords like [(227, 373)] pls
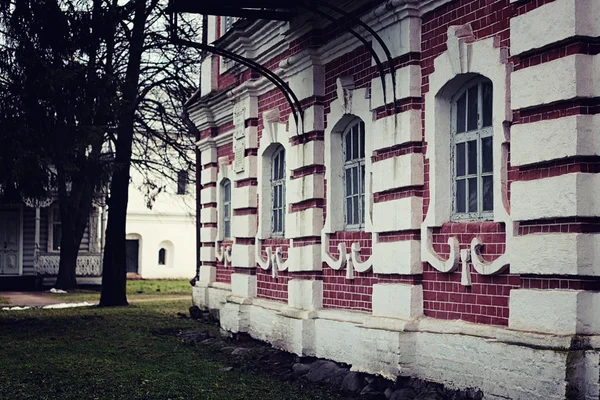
[(93, 353), (136, 289), (3, 300)]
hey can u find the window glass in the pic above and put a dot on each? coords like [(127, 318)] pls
[(472, 112), (486, 98), (354, 174), (162, 255), (226, 192), (473, 151), (278, 192)]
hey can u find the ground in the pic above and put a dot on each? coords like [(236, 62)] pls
[(133, 352)]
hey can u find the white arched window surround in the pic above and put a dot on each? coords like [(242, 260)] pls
[(465, 59), (353, 145), (226, 208), (471, 146), (278, 200)]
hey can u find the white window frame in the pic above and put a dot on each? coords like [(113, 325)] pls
[(278, 178), (464, 138), (357, 163), (226, 207)]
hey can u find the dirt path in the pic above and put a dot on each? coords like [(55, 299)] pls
[(40, 299)]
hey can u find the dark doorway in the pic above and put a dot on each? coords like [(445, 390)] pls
[(132, 248)]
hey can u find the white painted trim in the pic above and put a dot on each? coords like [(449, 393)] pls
[(461, 62), (349, 104)]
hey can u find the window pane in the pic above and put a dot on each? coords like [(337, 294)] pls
[(487, 154), (486, 98), (472, 157), (355, 180), (348, 177), (461, 109), (349, 210), (226, 210), (472, 108), (472, 194), (362, 209), (56, 235), (488, 193), (460, 196), (355, 142), (355, 210), (460, 159), (226, 191), (348, 148), (362, 179), (362, 140), (275, 221), (282, 165), (227, 229)]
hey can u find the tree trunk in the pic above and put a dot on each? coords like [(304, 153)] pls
[(66, 279), (114, 271)]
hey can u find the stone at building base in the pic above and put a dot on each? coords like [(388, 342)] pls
[(503, 363)]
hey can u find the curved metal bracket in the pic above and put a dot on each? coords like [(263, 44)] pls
[(289, 95), (376, 37)]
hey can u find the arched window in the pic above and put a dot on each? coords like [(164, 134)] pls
[(226, 207), (162, 257), (353, 142), (278, 191), (472, 151)]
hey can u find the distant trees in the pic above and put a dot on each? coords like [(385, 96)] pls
[(98, 87)]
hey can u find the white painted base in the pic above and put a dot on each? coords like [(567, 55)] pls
[(501, 362)]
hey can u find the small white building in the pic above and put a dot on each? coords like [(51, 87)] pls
[(161, 241)]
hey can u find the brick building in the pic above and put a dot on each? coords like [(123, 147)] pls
[(442, 222)]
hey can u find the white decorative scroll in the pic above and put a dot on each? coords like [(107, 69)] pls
[(483, 267), (351, 260), (87, 265), (448, 265), (465, 276), (223, 254), (274, 260)]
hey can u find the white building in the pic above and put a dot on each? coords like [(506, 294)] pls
[(161, 233)]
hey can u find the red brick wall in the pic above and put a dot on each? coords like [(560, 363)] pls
[(224, 274), (267, 286)]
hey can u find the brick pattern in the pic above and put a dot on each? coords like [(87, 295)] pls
[(492, 234), (560, 225), (339, 292), (224, 274), (557, 110), (268, 287), (589, 164), (397, 151), (272, 288), (394, 194), (485, 302), (399, 236), (560, 282), (568, 47)]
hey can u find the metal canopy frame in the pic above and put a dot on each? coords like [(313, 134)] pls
[(272, 10)]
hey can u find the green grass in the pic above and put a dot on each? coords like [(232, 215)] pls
[(136, 289), (3, 300), (93, 353)]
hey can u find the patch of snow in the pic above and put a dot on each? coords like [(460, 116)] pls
[(17, 308), (53, 290), (68, 305)]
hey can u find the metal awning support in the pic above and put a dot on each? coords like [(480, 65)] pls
[(275, 10)]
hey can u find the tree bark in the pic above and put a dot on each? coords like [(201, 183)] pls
[(114, 271)]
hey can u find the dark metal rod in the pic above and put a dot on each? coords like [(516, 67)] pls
[(289, 95), (361, 39), (375, 35)]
